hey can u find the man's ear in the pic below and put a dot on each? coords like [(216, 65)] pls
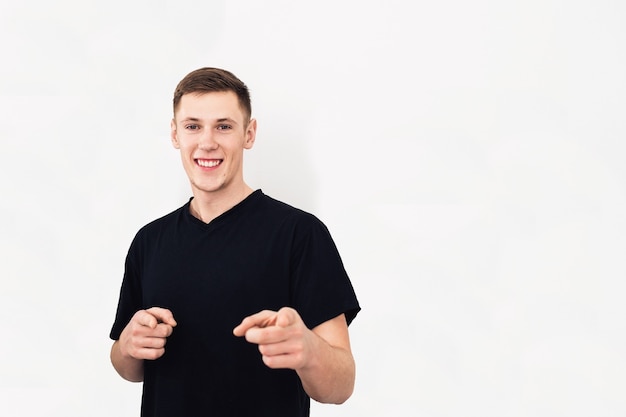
[(250, 134), (173, 136)]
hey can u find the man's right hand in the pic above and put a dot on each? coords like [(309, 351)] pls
[(144, 337)]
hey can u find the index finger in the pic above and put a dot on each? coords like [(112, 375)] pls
[(162, 315), (261, 319)]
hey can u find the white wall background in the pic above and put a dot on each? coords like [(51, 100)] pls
[(468, 157)]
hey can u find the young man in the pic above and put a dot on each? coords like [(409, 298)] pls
[(235, 304)]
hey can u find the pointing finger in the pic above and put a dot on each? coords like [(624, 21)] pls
[(162, 315), (266, 335), (261, 319)]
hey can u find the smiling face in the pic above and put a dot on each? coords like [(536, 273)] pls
[(211, 132)]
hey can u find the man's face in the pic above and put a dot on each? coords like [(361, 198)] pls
[(211, 133)]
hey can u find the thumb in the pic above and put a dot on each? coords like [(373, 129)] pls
[(144, 318), (286, 316), (162, 315)]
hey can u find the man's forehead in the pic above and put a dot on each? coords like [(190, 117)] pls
[(213, 105)]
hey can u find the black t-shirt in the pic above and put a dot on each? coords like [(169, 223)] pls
[(260, 255)]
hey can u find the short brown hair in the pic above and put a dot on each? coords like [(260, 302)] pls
[(208, 80)]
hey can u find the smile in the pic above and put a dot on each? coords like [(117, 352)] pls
[(208, 163)]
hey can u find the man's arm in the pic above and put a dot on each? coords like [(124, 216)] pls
[(144, 337), (329, 375), (129, 368), (322, 357)]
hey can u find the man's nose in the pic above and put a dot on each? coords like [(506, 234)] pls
[(207, 141)]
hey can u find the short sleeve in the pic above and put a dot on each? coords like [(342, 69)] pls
[(322, 288), (130, 299)]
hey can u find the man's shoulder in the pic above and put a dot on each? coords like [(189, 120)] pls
[(278, 214), (286, 210), (163, 221)]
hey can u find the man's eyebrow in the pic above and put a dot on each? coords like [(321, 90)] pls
[(220, 120), (226, 119)]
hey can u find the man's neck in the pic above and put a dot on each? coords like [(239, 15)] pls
[(207, 206)]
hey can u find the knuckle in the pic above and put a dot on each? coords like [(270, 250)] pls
[(161, 330), (155, 353), (268, 361), (156, 342)]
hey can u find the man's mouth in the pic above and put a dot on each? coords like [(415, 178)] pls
[(208, 163)]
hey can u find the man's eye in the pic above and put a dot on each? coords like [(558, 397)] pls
[(192, 127), (223, 127)]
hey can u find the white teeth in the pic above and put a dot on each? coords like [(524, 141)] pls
[(208, 164)]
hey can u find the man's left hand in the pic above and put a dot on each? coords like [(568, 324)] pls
[(283, 338)]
